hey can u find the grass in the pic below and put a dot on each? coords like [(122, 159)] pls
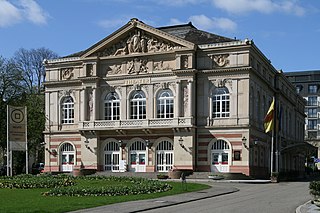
[(31, 200)]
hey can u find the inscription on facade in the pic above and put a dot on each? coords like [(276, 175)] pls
[(137, 81)]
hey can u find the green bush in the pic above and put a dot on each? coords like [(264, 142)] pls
[(314, 187)]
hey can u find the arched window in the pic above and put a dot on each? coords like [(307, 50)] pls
[(67, 110), (165, 104), (220, 145), (112, 106), (220, 103), (138, 105)]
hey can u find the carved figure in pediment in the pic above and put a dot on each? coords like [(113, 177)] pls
[(123, 50), (137, 65), (221, 60)]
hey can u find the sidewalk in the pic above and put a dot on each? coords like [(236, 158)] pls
[(136, 206)]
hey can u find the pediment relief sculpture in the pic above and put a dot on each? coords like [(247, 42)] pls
[(220, 60), (66, 73), (138, 42)]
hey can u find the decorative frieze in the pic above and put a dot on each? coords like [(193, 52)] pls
[(67, 73), (66, 93), (220, 60), (137, 66)]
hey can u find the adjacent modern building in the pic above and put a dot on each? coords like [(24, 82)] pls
[(307, 84), (148, 99)]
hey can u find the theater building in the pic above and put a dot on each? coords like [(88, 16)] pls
[(148, 99)]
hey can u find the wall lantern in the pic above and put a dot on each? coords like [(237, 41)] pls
[(121, 143), (148, 143), (244, 142), (181, 142), (86, 142)]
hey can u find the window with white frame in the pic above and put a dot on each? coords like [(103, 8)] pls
[(165, 104), (112, 106), (220, 103), (67, 109), (138, 105)]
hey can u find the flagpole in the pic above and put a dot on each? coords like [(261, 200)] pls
[(271, 156)]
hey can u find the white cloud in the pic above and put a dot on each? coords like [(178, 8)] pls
[(33, 12), (9, 14), (112, 23), (205, 23), (22, 10), (262, 6), (178, 2), (174, 21)]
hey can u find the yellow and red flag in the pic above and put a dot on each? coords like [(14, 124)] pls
[(269, 119)]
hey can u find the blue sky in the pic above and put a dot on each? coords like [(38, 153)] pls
[(286, 31)]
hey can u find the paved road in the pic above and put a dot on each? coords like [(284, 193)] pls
[(252, 198)]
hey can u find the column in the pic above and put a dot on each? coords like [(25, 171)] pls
[(123, 103), (150, 104), (190, 100), (81, 112), (94, 104), (178, 100)]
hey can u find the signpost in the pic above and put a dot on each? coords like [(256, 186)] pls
[(16, 134)]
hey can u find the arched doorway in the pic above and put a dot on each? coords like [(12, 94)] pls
[(220, 156), (111, 157), (67, 154), (137, 152), (164, 156)]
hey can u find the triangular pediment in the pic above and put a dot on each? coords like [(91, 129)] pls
[(136, 38)]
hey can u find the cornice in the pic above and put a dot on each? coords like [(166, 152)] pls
[(61, 83), (229, 69)]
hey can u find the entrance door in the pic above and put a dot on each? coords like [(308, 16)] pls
[(138, 161), (220, 156), (111, 161), (112, 157), (67, 157), (138, 157), (164, 156)]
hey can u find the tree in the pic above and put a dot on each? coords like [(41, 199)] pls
[(30, 63), (11, 91)]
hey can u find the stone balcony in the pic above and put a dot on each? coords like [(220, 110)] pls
[(180, 122)]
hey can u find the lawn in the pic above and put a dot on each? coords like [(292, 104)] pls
[(32, 200)]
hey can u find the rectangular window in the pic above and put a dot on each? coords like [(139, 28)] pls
[(237, 155), (312, 124), (312, 101), (312, 89), (312, 113)]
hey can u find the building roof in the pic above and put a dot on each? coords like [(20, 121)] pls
[(192, 34)]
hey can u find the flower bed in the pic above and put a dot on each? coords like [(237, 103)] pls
[(64, 185)]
